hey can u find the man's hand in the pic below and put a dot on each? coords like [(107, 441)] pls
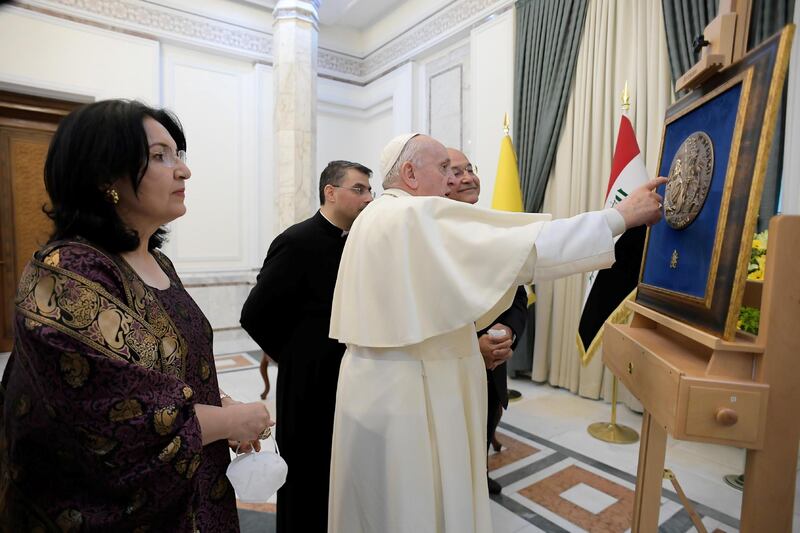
[(495, 350), (643, 206)]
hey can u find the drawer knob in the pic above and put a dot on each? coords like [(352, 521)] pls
[(630, 368), (727, 416)]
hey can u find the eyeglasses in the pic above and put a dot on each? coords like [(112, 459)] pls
[(469, 169), (168, 157), (358, 189)]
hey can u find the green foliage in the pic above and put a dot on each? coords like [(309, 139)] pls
[(748, 320)]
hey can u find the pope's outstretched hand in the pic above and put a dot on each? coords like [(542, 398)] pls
[(643, 205)]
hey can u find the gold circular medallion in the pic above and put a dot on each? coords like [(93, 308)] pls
[(689, 180)]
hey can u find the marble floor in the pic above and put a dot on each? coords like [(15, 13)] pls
[(555, 476)]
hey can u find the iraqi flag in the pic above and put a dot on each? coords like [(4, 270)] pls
[(607, 289)]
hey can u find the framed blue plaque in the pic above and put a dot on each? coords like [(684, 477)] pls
[(714, 150)]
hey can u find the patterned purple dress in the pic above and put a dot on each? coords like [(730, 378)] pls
[(97, 424)]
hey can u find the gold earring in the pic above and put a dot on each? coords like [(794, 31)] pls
[(112, 195)]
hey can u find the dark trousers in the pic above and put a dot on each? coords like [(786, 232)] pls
[(494, 412)]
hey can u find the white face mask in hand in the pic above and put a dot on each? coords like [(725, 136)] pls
[(256, 476)]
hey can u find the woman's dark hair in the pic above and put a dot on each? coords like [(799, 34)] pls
[(93, 147)]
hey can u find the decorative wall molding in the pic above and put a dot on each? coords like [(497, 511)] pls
[(438, 97), (452, 22), (174, 25), (161, 23)]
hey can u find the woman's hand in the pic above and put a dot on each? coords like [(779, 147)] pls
[(236, 421), (247, 420), (238, 446)]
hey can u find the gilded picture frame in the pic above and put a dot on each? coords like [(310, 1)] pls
[(715, 147)]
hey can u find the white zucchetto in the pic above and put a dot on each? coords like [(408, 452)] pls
[(391, 152)]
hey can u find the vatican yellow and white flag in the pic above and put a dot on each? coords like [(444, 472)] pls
[(507, 194)]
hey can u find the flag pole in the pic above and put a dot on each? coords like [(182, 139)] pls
[(611, 431)]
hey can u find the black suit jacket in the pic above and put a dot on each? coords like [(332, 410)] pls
[(514, 317), (288, 314)]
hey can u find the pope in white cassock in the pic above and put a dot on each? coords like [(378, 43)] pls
[(418, 273)]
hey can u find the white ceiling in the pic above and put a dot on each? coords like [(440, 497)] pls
[(357, 14)]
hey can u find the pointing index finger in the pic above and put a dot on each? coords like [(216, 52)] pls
[(654, 183)]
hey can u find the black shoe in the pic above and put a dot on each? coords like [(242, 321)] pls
[(494, 486)]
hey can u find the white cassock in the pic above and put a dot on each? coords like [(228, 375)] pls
[(417, 274)]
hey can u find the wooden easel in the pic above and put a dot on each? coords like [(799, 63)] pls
[(723, 42), (744, 392)]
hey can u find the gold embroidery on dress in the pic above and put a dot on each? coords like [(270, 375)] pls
[(98, 444), (180, 466), (78, 305), (114, 325), (164, 419), (173, 347), (168, 453), (53, 259), (75, 369), (26, 282), (193, 466), (205, 371), (44, 294), (144, 342), (220, 488), (125, 410), (170, 350), (187, 392), (84, 310)]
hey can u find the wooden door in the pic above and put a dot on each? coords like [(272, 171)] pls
[(27, 124)]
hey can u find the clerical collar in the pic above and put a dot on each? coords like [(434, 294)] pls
[(344, 231)]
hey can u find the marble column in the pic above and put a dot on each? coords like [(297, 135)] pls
[(294, 53)]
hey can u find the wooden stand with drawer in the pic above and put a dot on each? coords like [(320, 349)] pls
[(744, 392)]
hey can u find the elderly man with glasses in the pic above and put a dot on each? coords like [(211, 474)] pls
[(288, 315)]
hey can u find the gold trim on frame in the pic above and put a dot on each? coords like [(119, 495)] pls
[(745, 78), (779, 72), (768, 115)]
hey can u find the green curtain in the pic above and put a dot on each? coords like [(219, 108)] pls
[(548, 36), (684, 20), (767, 17)]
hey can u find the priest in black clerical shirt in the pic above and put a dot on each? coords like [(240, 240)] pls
[(288, 315)]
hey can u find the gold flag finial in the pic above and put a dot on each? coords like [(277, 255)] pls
[(626, 98), (506, 124)]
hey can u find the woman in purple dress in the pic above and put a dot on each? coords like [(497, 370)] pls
[(111, 417)]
